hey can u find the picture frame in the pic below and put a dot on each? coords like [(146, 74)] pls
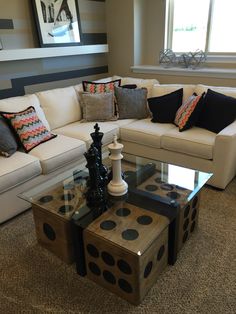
[(57, 22)]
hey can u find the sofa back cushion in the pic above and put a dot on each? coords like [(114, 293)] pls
[(140, 82), (163, 89), (228, 91), (60, 105), (16, 104)]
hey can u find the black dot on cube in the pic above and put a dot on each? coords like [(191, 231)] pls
[(186, 211), (49, 232), (195, 201), (108, 258), (125, 286), (167, 187), (160, 252), (192, 226), (151, 187), (46, 199), (94, 268), (108, 225), (130, 234), (92, 250), (65, 208), (194, 214), (124, 267), (185, 237), (174, 195), (147, 269), (186, 223), (67, 197), (144, 220), (109, 277), (123, 212)]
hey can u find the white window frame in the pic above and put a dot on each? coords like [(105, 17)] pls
[(212, 57)]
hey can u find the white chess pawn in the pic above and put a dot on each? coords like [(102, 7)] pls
[(117, 186)]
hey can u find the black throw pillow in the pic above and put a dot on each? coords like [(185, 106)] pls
[(130, 86), (163, 108), (8, 144), (217, 112)]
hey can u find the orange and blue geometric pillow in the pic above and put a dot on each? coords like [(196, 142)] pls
[(29, 128), (187, 114)]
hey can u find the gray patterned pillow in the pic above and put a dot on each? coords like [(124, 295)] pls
[(98, 107), (8, 144), (132, 103)]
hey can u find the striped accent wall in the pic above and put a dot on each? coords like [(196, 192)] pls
[(29, 76)]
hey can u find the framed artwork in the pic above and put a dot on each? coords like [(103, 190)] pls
[(58, 22)]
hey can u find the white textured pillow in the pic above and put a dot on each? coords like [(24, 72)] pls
[(60, 105), (163, 89), (20, 103)]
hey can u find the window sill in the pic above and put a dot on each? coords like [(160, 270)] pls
[(38, 53), (206, 72)]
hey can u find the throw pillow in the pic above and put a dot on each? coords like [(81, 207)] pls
[(218, 111), (8, 144), (28, 127), (98, 107), (163, 108), (131, 103), (130, 86), (187, 115), (97, 87)]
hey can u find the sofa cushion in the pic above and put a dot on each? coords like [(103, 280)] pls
[(131, 103), (228, 91), (218, 111), (195, 142), (139, 82), (82, 131), (60, 105), (16, 104), (163, 108), (17, 169), (58, 152), (145, 132), (163, 89), (8, 144), (98, 107), (29, 128), (188, 114)]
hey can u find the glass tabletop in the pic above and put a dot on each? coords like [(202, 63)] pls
[(65, 193)]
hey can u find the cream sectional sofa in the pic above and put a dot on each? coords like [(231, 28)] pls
[(60, 111)]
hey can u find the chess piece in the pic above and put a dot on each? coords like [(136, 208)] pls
[(97, 142), (95, 195), (117, 186)]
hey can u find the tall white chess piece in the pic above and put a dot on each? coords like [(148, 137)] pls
[(117, 186)]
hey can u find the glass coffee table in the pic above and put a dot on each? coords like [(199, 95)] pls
[(61, 214)]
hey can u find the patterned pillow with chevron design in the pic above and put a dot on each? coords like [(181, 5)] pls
[(187, 114), (99, 87), (28, 127)]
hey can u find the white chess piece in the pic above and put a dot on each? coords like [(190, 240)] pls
[(117, 186)]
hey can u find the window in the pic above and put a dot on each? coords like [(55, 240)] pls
[(208, 25)]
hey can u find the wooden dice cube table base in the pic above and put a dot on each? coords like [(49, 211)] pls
[(126, 248)]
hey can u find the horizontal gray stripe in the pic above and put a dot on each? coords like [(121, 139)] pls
[(6, 24)]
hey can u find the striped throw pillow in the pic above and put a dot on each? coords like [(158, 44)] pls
[(187, 114), (28, 127)]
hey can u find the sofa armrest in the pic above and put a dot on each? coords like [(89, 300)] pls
[(224, 155)]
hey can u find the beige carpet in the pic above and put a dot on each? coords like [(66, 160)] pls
[(203, 280)]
